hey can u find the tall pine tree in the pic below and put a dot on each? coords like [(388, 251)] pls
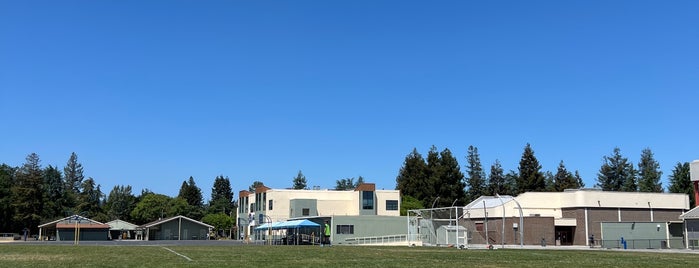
[(221, 196), (649, 173), (530, 177), (496, 180), (54, 194), (300, 181), (476, 176), (90, 200), (616, 173), (680, 181), (412, 176), (6, 210), (564, 179), (191, 193), (27, 196), (430, 186), (73, 172), (451, 181)]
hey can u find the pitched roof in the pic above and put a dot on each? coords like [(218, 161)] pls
[(121, 225), (71, 219), (691, 214), (154, 223)]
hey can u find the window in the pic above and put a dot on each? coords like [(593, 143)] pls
[(391, 204), (306, 212), (345, 229), (270, 204), (479, 227), (264, 200), (368, 200)]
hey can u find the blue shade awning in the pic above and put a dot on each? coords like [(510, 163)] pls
[(287, 225)]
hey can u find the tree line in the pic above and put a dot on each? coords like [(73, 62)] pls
[(31, 195), (438, 182)]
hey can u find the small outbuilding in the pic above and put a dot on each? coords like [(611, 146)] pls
[(176, 228), (119, 230), (74, 227)]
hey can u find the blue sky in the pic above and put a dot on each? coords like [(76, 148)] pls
[(148, 93)]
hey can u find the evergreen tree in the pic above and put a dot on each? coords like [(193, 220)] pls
[(433, 178), (476, 175), (579, 180), (412, 177), (120, 203), (73, 172), (511, 179), (649, 173), (348, 184), (616, 173), (631, 182), (27, 196), (496, 180), (530, 177), (221, 196), (451, 181), (549, 181), (300, 182), (564, 179), (6, 210), (680, 181), (90, 200), (191, 193), (54, 191), (254, 185)]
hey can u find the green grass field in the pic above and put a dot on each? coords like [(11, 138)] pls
[(13, 255)]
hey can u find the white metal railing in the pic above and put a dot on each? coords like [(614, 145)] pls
[(377, 240)]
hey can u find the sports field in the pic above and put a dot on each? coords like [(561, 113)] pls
[(18, 255)]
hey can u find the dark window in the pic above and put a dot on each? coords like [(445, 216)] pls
[(345, 229), (306, 212), (368, 200), (479, 227), (391, 204), (270, 204)]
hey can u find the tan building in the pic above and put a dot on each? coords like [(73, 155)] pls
[(275, 205), (571, 217)]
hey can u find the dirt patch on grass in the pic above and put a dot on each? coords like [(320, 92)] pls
[(31, 258)]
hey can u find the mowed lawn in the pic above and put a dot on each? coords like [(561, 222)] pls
[(13, 255)]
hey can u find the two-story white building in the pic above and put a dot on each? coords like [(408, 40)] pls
[(362, 212)]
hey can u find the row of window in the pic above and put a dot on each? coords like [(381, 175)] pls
[(367, 203)]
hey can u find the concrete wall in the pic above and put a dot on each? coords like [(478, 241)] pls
[(637, 234), (368, 226)]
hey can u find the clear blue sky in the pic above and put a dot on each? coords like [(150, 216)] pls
[(148, 93)]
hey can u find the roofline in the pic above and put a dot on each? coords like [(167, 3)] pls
[(66, 218), (151, 224)]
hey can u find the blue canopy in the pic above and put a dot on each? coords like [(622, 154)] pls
[(287, 225)]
